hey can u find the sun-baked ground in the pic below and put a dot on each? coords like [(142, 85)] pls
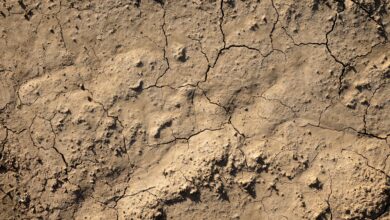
[(214, 109)]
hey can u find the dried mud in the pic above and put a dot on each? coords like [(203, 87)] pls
[(201, 109)]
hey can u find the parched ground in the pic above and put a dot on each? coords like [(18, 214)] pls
[(195, 109)]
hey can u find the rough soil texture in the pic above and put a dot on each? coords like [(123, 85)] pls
[(201, 109)]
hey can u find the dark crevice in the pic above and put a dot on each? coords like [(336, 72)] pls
[(382, 30), (274, 24), (221, 19), (365, 134), (166, 44), (185, 138), (329, 197), (56, 149)]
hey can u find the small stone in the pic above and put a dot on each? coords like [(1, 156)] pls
[(264, 19), (254, 27), (181, 54), (352, 104), (235, 216), (64, 110), (193, 191), (139, 63), (315, 183), (138, 86)]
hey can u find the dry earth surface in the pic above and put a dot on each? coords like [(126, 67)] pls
[(199, 109)]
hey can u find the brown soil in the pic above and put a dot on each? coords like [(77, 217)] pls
[(200, 109)]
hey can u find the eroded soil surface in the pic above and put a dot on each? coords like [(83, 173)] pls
[(200, 109)]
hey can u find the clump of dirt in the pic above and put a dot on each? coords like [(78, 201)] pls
[(219, 109)]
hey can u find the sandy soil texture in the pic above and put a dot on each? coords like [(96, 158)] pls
[(195, 109)]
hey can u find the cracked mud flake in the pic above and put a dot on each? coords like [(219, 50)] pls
[(301, 19), (377, 113), (220, 109), (249, 23), (351, 23), (238, 69), (7, 91)]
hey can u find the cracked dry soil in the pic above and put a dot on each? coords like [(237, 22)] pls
[(202, 109)]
